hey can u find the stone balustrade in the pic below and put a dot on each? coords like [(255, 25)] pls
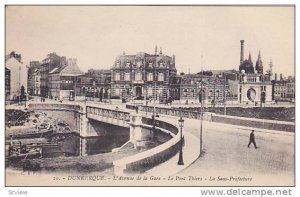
[(114, 117)]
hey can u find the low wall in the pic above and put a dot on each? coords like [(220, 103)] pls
[(150, 158), (54, 106), (253, 122), (212, 117), (171, 112)]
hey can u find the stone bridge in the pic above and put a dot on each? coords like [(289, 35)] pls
[(140, 128)]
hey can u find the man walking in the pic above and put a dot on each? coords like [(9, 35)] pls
[(252, 139)]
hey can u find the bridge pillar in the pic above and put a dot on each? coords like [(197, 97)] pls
[(84, 124), (83, 147), (140, 135)]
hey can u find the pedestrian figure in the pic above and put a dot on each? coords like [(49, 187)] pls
[(252, 139), (136, 109), (9, 124)]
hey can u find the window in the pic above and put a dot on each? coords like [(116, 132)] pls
[(117, 76), (160, 76), (138, 77), (192, 92), (127, 76), (150, 77), (117, 92), (185, 92), (150, 91)]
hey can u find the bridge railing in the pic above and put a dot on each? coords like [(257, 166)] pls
[(54, 106), (120, 115), (110, 116), (168, 111)]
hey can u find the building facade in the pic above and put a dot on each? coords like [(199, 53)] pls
[(214, 89), (95, 84), (142, 75), (17, 77), (291, 88), (7, 84), (62, 80), (33, 79), (48, 64), (254, 86), (284, 89)]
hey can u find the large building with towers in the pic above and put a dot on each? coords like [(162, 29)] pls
[(255, 86), (143, 75)]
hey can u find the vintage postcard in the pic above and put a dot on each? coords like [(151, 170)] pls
[(149, 95)]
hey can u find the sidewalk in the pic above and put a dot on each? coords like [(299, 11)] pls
[(191, 152)]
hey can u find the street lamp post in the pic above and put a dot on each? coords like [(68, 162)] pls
[(25, 99), (224, 96), (201, 116), (181, 124)]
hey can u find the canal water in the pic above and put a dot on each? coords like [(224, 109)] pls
[(70, 145)]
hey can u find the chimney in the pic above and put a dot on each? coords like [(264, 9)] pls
[(155, 49), (275, 76), (281, 77), (242, 51)]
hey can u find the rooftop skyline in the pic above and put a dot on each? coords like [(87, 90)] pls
[(96, 35)]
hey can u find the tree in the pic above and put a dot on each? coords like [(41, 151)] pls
[(22, 92)]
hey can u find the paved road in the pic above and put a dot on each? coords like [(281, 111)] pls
[(226, 154)]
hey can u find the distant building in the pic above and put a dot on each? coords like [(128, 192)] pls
[(214, 89), (142, 75), (94, 84), (254, 86), (7, 84), (291, 88), (17, 78), (48, 64), (33, 79), (37, 83), (284, 89), (62, 80)]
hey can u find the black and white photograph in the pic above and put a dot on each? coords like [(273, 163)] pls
[(149, 95)]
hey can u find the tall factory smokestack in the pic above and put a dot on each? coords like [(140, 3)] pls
[(242, 51)]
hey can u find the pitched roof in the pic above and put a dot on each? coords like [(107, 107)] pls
[(71, 70)]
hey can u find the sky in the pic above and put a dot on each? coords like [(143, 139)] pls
[(96, 35)]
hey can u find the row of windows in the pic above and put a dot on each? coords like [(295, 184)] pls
[(139, 64), (262, 88), (252, 79), (138, 77)]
